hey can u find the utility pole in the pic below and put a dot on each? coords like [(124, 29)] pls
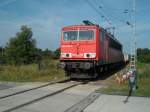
[(133, 58)]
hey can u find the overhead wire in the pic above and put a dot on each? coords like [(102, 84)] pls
[(114, 17), (95, 5), (100, 13)]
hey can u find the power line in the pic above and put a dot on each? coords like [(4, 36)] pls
[(102, 15), (125, 11), (116, 18)]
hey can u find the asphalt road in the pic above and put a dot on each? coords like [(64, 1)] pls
[(114, 103), (6, 85), (74, 97), (55, 103)]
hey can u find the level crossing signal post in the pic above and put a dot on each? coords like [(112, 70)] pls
[(133, 56), (131, 75)]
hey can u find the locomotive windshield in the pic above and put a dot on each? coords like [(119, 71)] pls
[(86, 35), (70, 35), (78, 35)]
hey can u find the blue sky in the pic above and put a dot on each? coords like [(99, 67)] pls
[(47, 17)]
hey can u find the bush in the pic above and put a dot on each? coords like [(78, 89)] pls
[(143, 55)]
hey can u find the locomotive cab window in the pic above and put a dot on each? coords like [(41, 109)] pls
[(70, 35), (78, 35), (86, 35)]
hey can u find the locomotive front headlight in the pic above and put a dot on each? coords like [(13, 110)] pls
[(66, 55), (63, 55), (93, 55), (89, 55)]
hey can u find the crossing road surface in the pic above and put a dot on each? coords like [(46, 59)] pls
[(114, 103), (80, 98), (57, 97)]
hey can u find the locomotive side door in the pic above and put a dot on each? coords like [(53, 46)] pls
[(106, 42), (104, 46), (102, 38)]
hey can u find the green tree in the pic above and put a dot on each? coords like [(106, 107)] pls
[(57, 53), (47, 53), (2, 55), (21, 49), (143, 55)]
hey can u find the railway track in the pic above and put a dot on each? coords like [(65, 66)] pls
[(6, 98), (34, 88), (38, 94)]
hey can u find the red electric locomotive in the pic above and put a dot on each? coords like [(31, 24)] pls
[(87, 50)]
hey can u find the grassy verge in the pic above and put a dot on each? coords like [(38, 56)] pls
[(29, 73), (123, 89)]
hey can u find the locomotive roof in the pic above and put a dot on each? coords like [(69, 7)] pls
[(79, 26), (111, 36), (90, 26)]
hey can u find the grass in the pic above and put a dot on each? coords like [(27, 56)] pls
[(123, 89), (143, 80), (49, 71), (30, 73)]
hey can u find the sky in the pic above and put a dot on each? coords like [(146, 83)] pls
[(47, 17)]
